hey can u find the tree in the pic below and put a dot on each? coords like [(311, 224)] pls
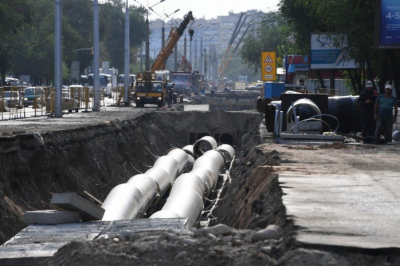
[(272, 35), (14, 16), (352, 20)]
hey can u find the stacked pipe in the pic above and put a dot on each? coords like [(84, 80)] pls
[(186, 196), (130, 200), (344, 108)]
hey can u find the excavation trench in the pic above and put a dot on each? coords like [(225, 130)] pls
[(96, 158)]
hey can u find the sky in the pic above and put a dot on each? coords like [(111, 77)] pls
[(204, 8)]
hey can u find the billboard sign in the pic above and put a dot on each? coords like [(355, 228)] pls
[(327, 53), (387, 24), (268, 66)]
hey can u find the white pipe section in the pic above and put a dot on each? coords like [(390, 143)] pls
[(159, 176), (144, 183), (130, 200), (186, 196), (207, 177), (180, 156), (186, 204), (169, 165), (188, 149), (227, 151), (189, 182), (213, 162), (203, 145)]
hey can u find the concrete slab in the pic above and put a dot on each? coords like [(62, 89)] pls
[(353, 209), (37, 242), (71, 201), (51, 217), (197, 107)]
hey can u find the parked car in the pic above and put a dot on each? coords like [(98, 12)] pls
[(256, 87), (31, 93), (68, 103), (11, 99)]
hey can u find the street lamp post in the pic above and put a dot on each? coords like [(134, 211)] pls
[(147, 32), (126, 75), (96, 57), (58, 61)]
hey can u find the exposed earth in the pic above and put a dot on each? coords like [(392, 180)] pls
[(252, 225)]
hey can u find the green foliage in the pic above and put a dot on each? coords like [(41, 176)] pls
[(273, 35), (27, 35), (353, 20)]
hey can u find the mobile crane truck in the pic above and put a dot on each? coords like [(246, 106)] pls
[(150, 90)]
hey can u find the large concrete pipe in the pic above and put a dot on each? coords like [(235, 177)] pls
[(226, 138), (161, 178), (270, 115), (130, 200), (262, 103), (169, 165), (186, 204), (305, 108), (346, 110), (186, 196), (188, 149), (180, 156), (124, 202), (213, 162), (147, 186), (207, 176), (188, 182), (203, 145), (227, 151)]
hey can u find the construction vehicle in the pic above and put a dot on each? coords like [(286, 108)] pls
[(150, 88)]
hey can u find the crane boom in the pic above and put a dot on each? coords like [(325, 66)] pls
[(227, 51), (234, 50), (171, 41)]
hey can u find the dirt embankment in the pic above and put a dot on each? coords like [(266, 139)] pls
[(95, 158), (92, 159)]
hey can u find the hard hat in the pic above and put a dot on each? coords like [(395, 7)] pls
[(388, 86), (369, 83)]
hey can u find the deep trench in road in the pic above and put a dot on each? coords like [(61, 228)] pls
[(97, 158)]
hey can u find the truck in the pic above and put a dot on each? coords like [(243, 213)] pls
[(151, 86), (183, 82), (149, 90)]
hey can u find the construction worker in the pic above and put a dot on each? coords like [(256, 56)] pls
[(383, 114), (170, 97), (367, 101)]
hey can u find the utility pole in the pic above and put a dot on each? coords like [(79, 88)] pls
[(96, 57), (176, 58), (205, 64), (195, 54), (126, 75), (147, 43), (58, 61)]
